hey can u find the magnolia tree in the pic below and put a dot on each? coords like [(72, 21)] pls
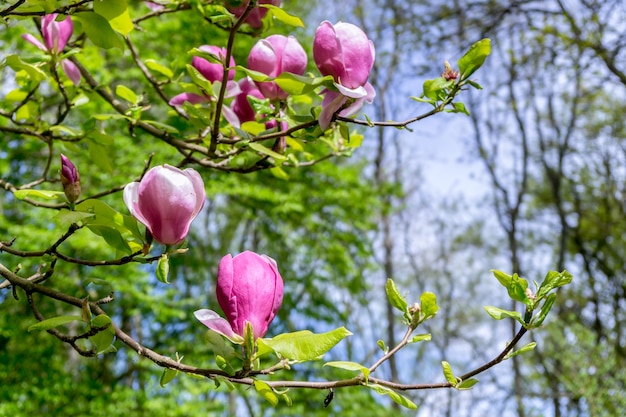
[(272, 112)]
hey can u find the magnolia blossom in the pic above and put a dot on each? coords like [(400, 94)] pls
[(214, 73), (344, 51), (241, 106), (55, 37), (273, 56), (70, 179), (249, 290), (254, 19), (166, 201)]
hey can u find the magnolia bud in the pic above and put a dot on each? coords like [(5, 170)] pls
[(70, 179)]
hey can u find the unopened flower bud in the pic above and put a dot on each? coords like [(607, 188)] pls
[(448, 73), (166, 201), (70, 179)]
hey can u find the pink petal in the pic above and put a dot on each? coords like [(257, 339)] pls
[(213, 321), (71, 70), (192, 98), (30, 38)]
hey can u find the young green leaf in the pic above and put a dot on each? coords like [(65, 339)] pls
[(167, 376), (553, 280), (266, 392), (395, 298), (126, 93), (421, 338), (161, 69), (474, 58), (45, 194), (467, 384), (53, 322), (400, 399), (116, 12), (282, 16), (499, 314), (350, 366), (99, 30), (515, 286), (103, 340), (428, 304), (267, 151), (448, 374), (304, 345), (545, 309), (17, 64), (163, 269), (523, 349)]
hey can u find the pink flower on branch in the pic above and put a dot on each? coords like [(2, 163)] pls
[(214, 73), (274, 55), (344, 51), (55, 35), (249, 290), (70, 179), (166, 201), (254, 19)]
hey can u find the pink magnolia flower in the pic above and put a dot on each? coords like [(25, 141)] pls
[(273, 56), (166, 201), (345, 52), (257, 14), (70, 179), (241, 106), (55, 37), (214, 73), (249, 289)]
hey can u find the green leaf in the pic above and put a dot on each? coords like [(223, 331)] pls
[(45, 194), (53, 322), (526, 348), (381, 345), (499, 314), (421, 338), (304, 345), (396, 299), (300, 84), (105, 215), (163, 268), (67, 217), (267, 151), (448, 374), (474, 58), (126, 93), (460, 108), (162, 126), (112, 236), (199, 80), (17, 64), (219, 346), (350, 366), (98, 29), (167, 376), (116, 12), (282, 16), (467, 384), (428, 304), (436, 89), (161, 69), (545, 309), (515, 286), (400, 399), (266, 392), (103, 339), (553, 280)]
